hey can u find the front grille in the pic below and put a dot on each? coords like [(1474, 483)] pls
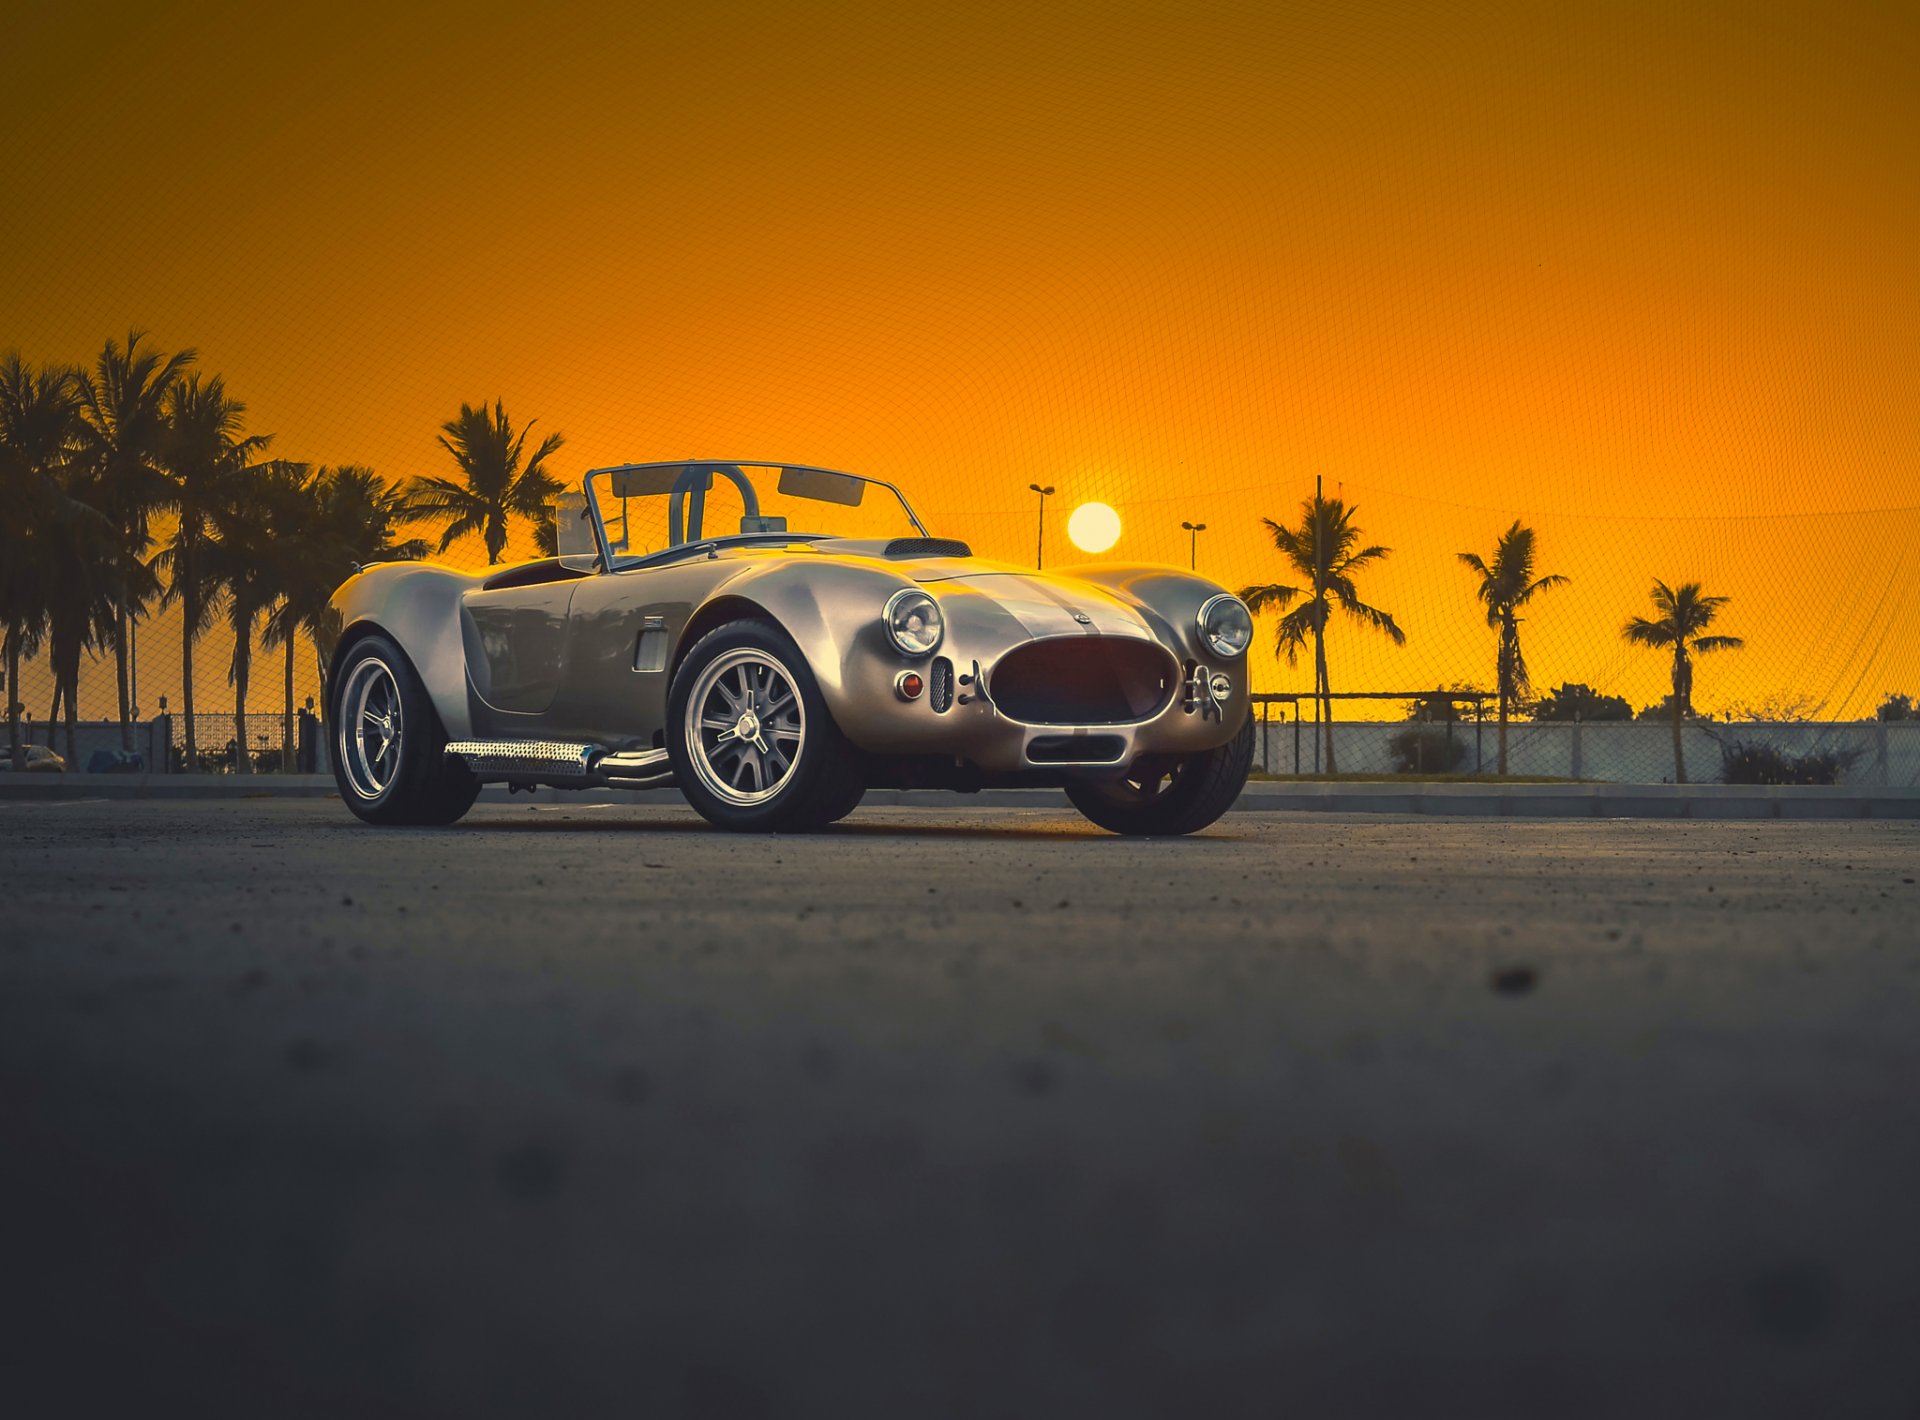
[(940, 692), (1083, 680), (1075, 749)]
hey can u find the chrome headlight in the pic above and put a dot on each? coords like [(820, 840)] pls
[(913, 622), (1226, 626)]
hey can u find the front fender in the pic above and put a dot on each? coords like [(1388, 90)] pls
[(832, 610)]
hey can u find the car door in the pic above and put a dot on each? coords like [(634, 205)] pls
[(516, 639)]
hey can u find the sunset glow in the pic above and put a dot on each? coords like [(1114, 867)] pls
[(1639, 274)]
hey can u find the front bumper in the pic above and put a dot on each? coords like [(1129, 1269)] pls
[(1198, 713)]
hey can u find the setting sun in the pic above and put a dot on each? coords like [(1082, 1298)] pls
[(1094, 527)]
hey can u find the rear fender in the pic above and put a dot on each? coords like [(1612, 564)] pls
[(417, 606)]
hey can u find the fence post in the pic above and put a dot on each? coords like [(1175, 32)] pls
[(1880, 753), (1296, 738), (1578, 766)]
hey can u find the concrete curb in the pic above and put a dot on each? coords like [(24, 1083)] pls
[(1688, 801)]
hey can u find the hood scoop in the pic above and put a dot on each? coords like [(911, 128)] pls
[(904, 547)]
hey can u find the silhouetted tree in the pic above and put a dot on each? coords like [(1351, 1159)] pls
[(1325, 552), (39, 428), (1683, 614), (207, 458), (348, 518), (124, 400), (493, 485), (1507, 584), (1573, 701)]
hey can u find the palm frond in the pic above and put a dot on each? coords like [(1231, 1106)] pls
[(1271, 597), (1642, 632)]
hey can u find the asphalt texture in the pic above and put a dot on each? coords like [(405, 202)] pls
[(573, 1111)]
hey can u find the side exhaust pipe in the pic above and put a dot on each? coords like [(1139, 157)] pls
[(564, 766)]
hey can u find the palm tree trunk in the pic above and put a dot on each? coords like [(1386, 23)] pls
[(1679, 751), (1326, 692), (242, 664), (53, 710), (15, 754), (73, 718), (286, 720), (189, 615), (125, 622)]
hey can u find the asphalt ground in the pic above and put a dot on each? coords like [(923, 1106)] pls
[(590, 1111)]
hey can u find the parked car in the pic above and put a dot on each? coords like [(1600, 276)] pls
[(774, 640), (116, 761), (40, 760)]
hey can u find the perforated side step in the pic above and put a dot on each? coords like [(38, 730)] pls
[(564, 765)]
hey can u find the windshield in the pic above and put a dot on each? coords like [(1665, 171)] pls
[(649, 509)]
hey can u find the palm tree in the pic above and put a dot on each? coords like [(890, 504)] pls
[(39, 424), (1683, 614), (207, 458), (124, 399), (493, 485), (346, 518), (1505, 587), (1325, 551), (247, 563)]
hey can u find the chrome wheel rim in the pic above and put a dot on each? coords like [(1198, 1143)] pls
[(745, 726), (370, 728)]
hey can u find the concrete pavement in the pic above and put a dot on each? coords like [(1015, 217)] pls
[(579, 1110)]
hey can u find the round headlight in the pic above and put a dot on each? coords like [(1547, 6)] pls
[(1226, 626), (913, 622)]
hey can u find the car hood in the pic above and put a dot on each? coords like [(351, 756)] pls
[(1043, 604)]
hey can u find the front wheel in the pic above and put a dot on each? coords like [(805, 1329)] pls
[(389, 749), (1166, 797), (752, 744)]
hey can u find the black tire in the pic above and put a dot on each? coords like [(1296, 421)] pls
[(1170, 799), (419, 785), (822, 778)]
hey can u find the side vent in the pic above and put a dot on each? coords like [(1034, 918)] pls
[(650, 649), (940, 694)]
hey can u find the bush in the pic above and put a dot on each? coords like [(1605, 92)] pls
[(1898, 707), (1573, 700), (1426, 750), (1754, 762)]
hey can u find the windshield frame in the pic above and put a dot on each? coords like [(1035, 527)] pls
[(686, 547)]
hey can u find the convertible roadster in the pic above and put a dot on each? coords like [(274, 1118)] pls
[(773, 640)]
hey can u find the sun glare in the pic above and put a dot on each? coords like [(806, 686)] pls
[(1094, 527)]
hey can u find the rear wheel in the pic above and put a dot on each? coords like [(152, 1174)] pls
[(1172, 795), (752, 744), (389, 749)]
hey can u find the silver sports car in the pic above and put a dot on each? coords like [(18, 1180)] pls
[(773, 640)]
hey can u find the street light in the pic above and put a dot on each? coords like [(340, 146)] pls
[(1040, 532), (1193, 543)]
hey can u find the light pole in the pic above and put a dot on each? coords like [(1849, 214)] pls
[(1193, 544), (1040, 530)]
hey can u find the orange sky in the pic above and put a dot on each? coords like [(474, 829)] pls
[(1640, 272)]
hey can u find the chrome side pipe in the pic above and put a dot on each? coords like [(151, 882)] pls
[(566, 766)]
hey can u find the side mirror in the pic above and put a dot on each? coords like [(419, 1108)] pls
[(573, 538)]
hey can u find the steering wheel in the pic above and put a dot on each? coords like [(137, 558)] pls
[(683, 522)]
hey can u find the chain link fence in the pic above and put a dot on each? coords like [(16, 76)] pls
[(1429, 742)]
